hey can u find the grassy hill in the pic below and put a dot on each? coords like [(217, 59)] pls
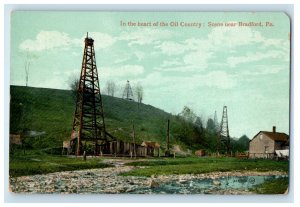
[(49, 112)]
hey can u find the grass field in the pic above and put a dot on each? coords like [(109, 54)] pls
[(34, 163), (196, 165), (42, 163), (277, 186)]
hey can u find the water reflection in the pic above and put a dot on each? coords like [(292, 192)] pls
[(208, 185)]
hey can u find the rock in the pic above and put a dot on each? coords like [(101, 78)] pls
[(217, 183), (90, 173), (154, 184), (129, 190), (191, 184)]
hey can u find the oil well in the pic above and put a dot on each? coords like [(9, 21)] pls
[(89, 123), (223, 134), (89, 128)]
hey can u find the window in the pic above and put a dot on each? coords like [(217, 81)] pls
[(266, 149)]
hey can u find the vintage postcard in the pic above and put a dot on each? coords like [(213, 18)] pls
[(149, 102)]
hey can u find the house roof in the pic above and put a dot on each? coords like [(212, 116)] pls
[(276, 136), (150, 144)]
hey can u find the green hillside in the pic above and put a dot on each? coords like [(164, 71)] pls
[(49, 112)]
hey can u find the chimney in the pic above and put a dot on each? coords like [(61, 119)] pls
[(274, 129)]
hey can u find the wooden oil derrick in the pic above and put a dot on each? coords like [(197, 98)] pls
[(127, 93), (224, 138), (88, 123)]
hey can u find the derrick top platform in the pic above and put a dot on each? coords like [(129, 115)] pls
[(89, 41)]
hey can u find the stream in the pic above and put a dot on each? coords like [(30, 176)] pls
[(237, 184), (108, 181)]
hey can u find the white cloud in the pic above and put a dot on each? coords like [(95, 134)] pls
[(73, 73), (182, 68), (198, 52), (196, 55), (171, 48), (176, 48), (198, 59), (46, 40), (121, 60), (154, 79), (173, 62), (145, 36), (264, 70), (197, 44), (58, 81), (139, 55), (214, 79), (76, 53), (124, 70), (276, 42), (217, 79), (233, 36), (101, 40), (253, 57)]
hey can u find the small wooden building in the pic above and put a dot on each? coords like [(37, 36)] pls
[(119, 148), (264, 144), (152, 148), (200, 153), (15, 139)]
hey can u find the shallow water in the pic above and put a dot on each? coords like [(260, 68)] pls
[(208, 185)]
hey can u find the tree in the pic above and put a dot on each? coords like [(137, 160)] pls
[(211, 135), (210, 126), (16, 116), (139, 93), (110, 88), (28, 58), (243, 143), (199, 131), (73, 85), (189, 131), (188, 114), (198, 123)]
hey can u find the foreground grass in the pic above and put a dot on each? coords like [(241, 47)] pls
[(203, 165), (276, 186), (42, 164)]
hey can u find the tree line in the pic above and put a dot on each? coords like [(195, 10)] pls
[(195, 135), (111, 89)]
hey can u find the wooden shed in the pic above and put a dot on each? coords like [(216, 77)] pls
[(264, 144), (152, 148), (15, 139)]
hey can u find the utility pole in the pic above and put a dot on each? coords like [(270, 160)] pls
[(168, 135), (168, 139), (133, 137)]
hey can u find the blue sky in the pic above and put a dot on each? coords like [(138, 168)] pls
[(245, 68)]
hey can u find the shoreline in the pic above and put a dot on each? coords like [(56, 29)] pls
[(107, 180)]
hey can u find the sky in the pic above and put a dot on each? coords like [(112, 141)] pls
[(203, 60)]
